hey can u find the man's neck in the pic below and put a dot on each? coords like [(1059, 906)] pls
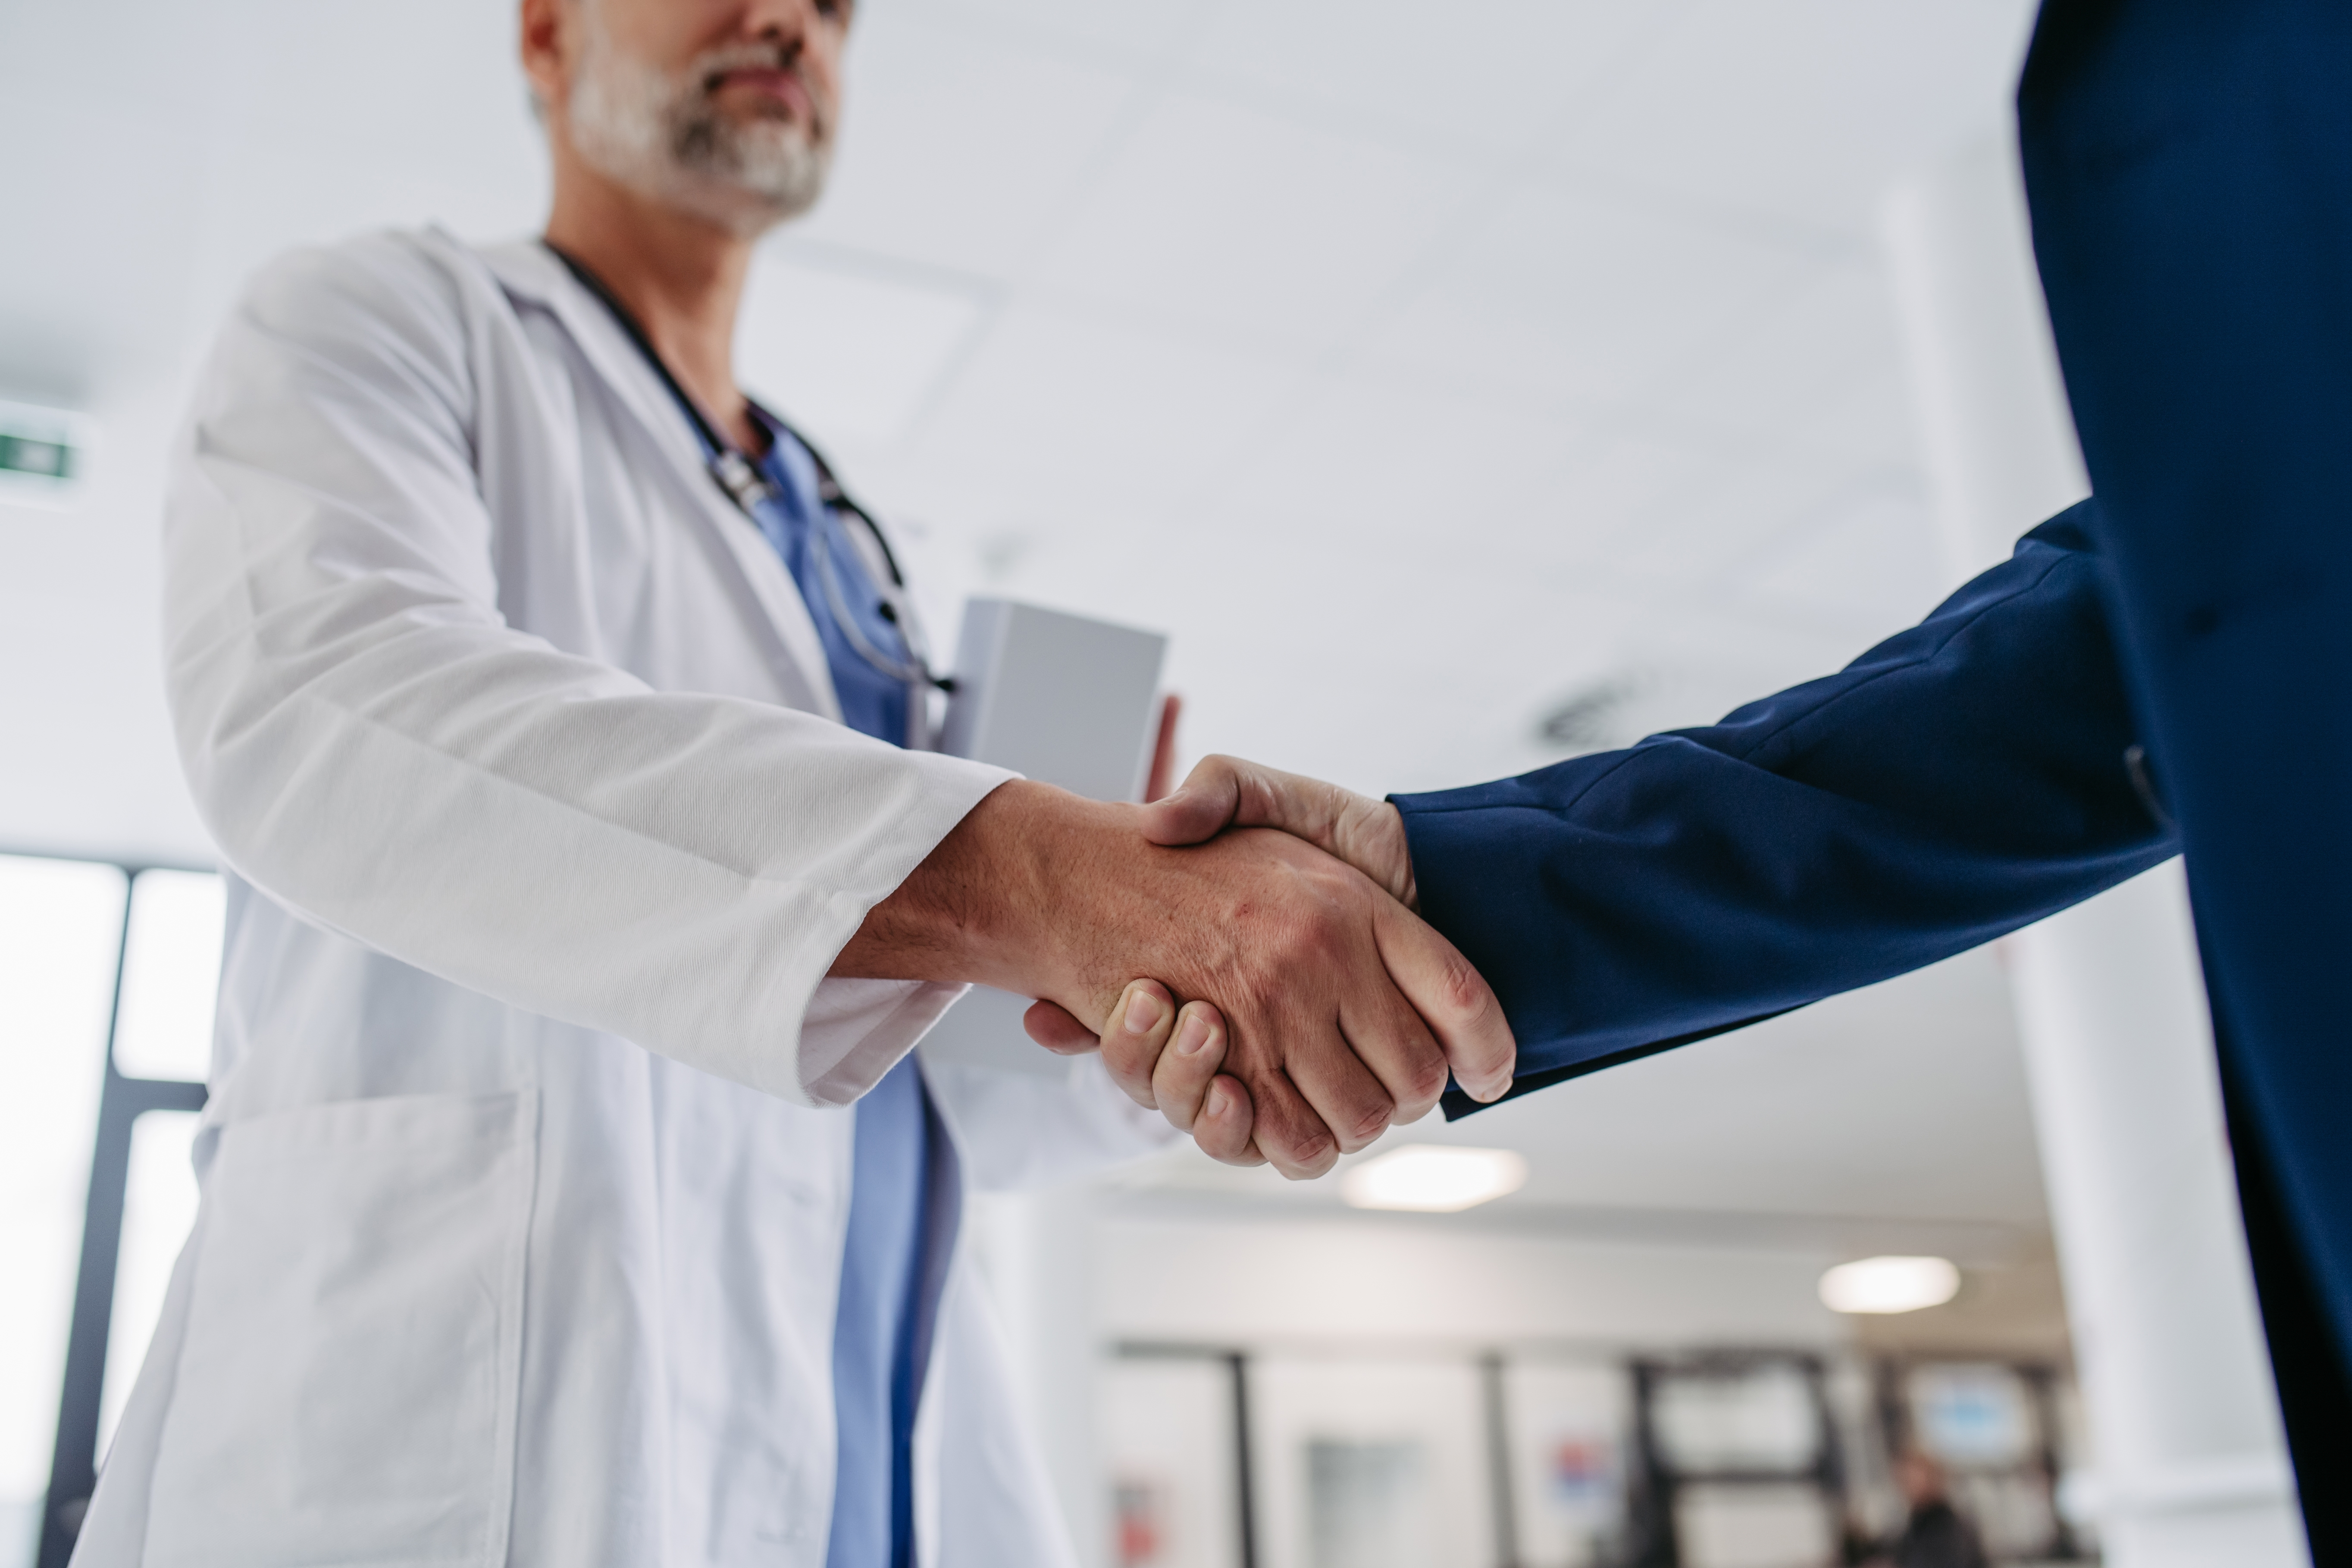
[(681, 276)]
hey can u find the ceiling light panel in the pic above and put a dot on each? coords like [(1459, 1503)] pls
[(1433, 1178), (1890, 1284)]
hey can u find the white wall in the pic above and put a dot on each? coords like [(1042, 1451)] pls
[(1339, 1280)]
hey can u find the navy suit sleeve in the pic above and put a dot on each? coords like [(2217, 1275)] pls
[(1962, 779)]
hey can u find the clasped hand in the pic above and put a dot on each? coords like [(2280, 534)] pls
[(1397, 1014)]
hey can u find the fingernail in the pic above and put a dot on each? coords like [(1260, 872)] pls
[(1192, 1036), (1142, 1013), (1216, 1100)]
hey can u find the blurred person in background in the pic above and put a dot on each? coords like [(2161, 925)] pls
[(1935, 1535), (563, 725)]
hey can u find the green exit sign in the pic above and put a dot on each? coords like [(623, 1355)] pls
[(27, 454), (43, 455)]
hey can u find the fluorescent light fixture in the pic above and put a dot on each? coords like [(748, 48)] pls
[(1436, 1178), (1890, 1285)]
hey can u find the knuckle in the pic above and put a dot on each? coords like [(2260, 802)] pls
[(1462, 989), (1313, 935), (1210, 1019), (1128, 1067), (1168, 1083), (1366, 1125), (1308, 1149), (1181, 1109), (1425, 1079)]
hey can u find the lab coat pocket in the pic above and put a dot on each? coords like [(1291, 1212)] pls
[(347, 1388)]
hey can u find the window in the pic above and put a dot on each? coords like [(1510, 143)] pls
[(107, 975)]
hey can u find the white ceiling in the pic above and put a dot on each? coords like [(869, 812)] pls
[(1507, 353), (1413, 366)]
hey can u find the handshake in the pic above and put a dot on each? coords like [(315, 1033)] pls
[(1296, 1006)]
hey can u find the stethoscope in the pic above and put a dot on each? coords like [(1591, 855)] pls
[(740, 479)]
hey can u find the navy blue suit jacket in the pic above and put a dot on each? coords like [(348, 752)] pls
[(1962, 779)]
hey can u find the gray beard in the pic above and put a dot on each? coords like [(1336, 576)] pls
[(662, 137)]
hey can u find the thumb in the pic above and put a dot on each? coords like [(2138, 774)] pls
[(1201, 807), (1051, 1026), (1226, 792), (1452, 997)]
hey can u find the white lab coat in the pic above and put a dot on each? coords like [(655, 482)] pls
[(525, 1175)]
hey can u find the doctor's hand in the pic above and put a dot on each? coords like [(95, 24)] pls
[(1339, 1011), (1166, 1058)]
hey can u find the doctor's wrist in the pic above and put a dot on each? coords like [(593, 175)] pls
[(1008, 898)]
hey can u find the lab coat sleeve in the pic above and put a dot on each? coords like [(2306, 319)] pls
[(372, 744), (1015, 1131), (1964, 778)]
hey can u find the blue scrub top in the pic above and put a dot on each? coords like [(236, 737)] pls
[(796, 521), (888, 1297)]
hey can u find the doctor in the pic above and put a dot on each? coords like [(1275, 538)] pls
[(560, 721)]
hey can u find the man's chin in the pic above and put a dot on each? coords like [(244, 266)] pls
[(744, 210)]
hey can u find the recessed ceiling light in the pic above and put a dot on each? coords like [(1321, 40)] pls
[(1433, 1177), (1890, 1285)]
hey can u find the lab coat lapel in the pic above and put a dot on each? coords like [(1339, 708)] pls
[(528, 269)]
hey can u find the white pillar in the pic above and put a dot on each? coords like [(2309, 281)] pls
[(2191, 1463)]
